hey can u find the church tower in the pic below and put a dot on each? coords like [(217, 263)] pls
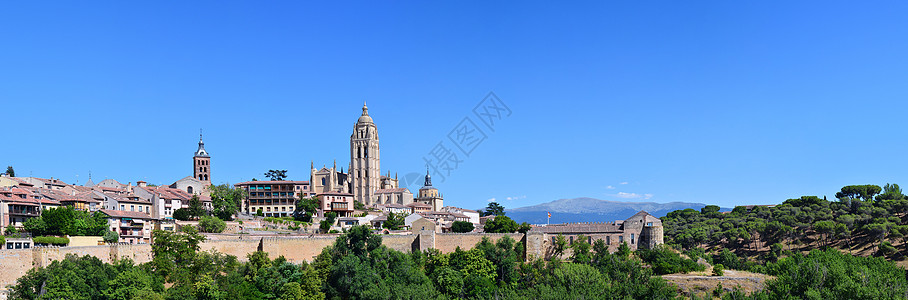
[(428, 194), (200, 164), (364, 172)]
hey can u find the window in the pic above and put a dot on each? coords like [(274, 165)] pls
[(572, 241), (649, 224), (132, 208), (620, 239), (608, 240), (122, 207), (589, 240), (632, 238), (189, 189)]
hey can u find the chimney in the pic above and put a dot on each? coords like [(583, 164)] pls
[(141, 183)]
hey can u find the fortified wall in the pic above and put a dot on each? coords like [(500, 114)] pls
[(16, 262)]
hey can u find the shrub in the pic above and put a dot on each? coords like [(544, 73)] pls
[(111, 237), (212, 224), (2, 241), (259, 213), (51, 240), (239, 222), (665, 261), (718, 270), (11, 230)]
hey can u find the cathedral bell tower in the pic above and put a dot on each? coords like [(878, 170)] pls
[(200, 163), (365, 175)]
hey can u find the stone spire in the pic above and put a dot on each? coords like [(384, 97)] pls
[(428, 178)]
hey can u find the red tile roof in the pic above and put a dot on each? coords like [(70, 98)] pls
[(271, 182), (397, 190)]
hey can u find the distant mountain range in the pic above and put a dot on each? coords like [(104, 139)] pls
[(593, 210)]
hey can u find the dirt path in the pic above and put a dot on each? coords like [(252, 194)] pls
[(701, 283)]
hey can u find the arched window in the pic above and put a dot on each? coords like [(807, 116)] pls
[(200, 177), (323, 181), (189, 189)]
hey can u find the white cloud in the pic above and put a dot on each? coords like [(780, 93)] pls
[(516, 197), (632, 195), (623, 183), (610, 187), (491, 200)]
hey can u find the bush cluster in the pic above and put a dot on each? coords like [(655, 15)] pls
[(51, 240)]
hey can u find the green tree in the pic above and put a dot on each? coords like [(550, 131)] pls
[(182, 214), (394, 221), (60, 221), (10, 229), (305, 208), (212, 224), (500, 224), (865, 192), (326, 224), (276, 175), (581, 250), (35, 226), (824, 228), (196, 209), (225, 201), (10, 172), (524, 227), (128, 284), (111, 237), (461, 226), (560, 245), (891, 192), (493, 209), (173, 252)]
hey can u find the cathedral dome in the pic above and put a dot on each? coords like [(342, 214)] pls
[(365, 118)]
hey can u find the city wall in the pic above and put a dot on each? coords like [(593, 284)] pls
[(15, 263)]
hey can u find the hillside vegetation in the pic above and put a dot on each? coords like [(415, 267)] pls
[(864, 220)]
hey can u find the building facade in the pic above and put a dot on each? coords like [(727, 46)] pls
[(274, 198), (641, 230), (339, 203)]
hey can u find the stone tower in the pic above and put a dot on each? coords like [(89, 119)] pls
[(364, 172), (200, 164)]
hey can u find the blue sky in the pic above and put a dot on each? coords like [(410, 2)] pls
[(718, 102)]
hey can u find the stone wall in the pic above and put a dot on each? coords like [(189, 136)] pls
[(15, 263)]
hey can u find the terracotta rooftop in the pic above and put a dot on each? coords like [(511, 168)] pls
[(397, 190), (271, 182), (418, 204)]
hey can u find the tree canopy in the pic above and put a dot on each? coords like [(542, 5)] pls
[(276, 175)]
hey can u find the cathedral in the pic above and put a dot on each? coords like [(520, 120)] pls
[(363, 178)]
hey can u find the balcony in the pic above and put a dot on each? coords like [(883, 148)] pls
[(24, 212)]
